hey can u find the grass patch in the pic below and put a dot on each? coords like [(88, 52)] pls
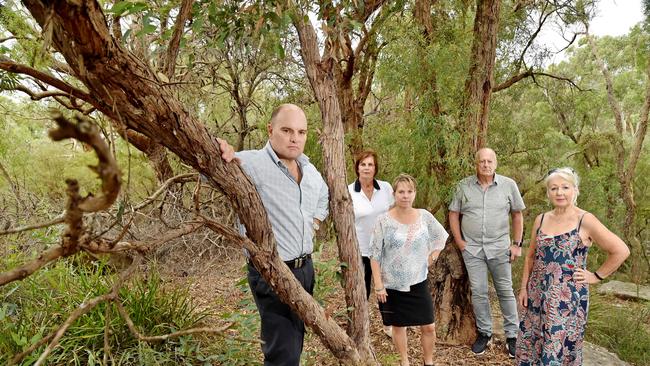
[(622, 327), (32, 308)]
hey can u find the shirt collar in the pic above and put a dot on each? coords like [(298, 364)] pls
[(357, 185), (496, 180), (302, 159)]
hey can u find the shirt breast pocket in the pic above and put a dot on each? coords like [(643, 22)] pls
[(470, 204), (502, 203)]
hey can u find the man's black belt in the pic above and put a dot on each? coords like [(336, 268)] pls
[(298, 262)]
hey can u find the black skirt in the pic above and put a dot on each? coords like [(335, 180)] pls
[(405, 309)]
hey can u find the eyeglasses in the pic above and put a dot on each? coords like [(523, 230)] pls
[(554, 170)]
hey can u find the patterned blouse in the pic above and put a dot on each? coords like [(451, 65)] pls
[(402, 250)]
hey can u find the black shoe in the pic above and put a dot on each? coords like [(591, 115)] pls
[(482, 341), (511, 346)]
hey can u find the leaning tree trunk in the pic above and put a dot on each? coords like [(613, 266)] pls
[(321, 77), (124, 83), (478, 87)]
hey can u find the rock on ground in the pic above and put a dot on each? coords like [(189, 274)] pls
[(594, 355), (625, 290)]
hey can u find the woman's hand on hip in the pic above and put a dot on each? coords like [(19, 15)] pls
[(584, 277)]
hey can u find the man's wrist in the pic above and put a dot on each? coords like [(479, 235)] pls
[(518, 243)]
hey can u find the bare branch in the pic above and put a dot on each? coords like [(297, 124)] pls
[(164, 337), (179, 178), (86, 131), (8, 65), (5, 39), (530, 73), (108, 246), (184, 15), (38, 96), (55, 221), (107, 332), (30, 349), (27, 269), (229, 233)]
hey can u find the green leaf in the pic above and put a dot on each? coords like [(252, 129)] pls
[(147, 29), (279, 50), (127, 7), (119, 8)]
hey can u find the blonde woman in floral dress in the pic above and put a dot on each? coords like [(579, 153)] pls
[(554, 292)]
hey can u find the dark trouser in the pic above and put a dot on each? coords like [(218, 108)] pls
[(367, 274), (282, 330)]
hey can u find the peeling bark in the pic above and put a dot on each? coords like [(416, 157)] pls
[(322, 79), (452, 298), (478, 87)]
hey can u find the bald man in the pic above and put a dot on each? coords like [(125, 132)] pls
[(486, 201), (295, 197)]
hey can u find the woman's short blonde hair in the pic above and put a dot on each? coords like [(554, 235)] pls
[(404, 178), (566, 173)]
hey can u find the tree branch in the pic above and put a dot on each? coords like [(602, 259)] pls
[(38, 96), (8, 65), (109, 246), (140, 336), (55, 221), (27, 269), (86, 131), (530, 73), (181, 177), (184, 15)]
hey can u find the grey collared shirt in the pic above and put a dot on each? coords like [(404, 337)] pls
[(291, 207), (485, 221)]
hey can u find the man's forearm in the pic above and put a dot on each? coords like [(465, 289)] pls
[(517, 226), (454, 226)]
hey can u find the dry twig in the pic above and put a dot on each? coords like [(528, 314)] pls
[(55, 221)]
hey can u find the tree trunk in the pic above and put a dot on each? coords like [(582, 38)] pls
[(627, 173), (126, 83), (452, 298), (455, 322), (321, 77), (478, 87)]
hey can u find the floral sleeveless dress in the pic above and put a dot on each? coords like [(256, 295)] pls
[(552, 328)]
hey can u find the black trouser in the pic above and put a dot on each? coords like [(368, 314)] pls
[(282, 330), (367, 274)]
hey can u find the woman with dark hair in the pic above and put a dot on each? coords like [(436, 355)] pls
[(555, 282), (404, 243), (370, 198)]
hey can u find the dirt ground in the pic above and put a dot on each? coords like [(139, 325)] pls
[(213, 286)]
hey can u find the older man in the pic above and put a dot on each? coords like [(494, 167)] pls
[(295, 197), (485, 202)]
